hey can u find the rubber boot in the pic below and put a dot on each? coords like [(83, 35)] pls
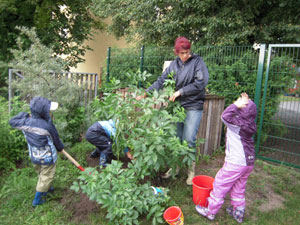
[(38, 199), (169, 173), (50, 191), (191, 174)]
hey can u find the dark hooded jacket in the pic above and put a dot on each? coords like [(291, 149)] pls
[(41, 134), (190, 77), (240, 129)]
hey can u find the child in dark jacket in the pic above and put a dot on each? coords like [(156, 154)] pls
[(239, 118), (43, 142), (101, 134)]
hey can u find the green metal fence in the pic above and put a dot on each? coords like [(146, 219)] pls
[(228, 66), (279, 138), (232, 71)]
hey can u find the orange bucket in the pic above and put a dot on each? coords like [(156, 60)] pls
[(202, 186), (173, 216)]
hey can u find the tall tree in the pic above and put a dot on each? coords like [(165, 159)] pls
[(214, 22), (62, 25)]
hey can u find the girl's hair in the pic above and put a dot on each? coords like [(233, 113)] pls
[(181, 43)]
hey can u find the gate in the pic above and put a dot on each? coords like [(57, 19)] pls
[(278, 138)]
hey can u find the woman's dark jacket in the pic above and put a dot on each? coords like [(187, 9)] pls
[(191, 78)]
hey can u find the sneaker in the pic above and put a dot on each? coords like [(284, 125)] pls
[(237, 214), (95, 154), (103, 160), (168, 174), (203, 211), (229, 210)]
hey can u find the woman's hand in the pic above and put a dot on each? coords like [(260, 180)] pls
[(174, 96)]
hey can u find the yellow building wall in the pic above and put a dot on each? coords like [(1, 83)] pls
[(97, 58)]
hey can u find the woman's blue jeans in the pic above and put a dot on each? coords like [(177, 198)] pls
[(188, 129)]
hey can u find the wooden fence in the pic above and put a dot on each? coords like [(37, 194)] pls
[(211, 125)]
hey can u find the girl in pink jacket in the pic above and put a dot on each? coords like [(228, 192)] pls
[(239, 118)]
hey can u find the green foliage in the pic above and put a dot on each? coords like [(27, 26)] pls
[(207, 22), (13, 144), (119, 191), (148, 128), (232, 70), (42, 77), (64, 25), (16, 194), (149, 131), (124, 64)]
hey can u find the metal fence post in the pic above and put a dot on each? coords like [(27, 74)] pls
[(108, 63), (263, 101), (9, 89), (259, 76), (142, 63)]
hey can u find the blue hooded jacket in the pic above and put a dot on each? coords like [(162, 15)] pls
[(41, 134)]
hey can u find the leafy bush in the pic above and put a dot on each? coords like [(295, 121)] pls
[(120, 192), (43, 77), (149, 131), (13, 144), (128, 61)]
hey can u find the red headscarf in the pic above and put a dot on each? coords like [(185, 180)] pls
[(181, 43)]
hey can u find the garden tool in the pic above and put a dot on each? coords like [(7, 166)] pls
[(72, 160)]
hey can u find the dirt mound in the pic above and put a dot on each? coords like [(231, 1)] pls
[(80, 206)]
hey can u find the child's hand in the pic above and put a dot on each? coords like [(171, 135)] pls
[(242, 101), (245, 95), (128, 154)]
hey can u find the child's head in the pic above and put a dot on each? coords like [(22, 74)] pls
[(40, 107)]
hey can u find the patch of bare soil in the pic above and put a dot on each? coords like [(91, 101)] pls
[(79, 204)]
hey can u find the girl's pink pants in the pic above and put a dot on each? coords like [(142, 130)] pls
[(233, 178)]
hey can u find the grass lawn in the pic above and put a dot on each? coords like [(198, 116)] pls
[(273, 193)]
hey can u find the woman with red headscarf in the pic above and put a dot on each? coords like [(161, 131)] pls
[(191, 77)]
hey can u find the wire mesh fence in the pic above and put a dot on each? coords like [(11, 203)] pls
[(279, 139), (233, 70)]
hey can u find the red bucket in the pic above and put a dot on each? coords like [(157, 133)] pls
[(173, 216), (202, 186)]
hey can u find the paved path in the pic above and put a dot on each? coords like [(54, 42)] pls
[(289, 113)]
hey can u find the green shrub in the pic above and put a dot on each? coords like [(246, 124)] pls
[(122, 195), (128, 61), (148, 131), (13, 144)]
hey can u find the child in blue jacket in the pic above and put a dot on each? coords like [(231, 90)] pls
[(101, 134), (43, 142)]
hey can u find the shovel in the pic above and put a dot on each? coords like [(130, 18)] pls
[(72, 160)]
